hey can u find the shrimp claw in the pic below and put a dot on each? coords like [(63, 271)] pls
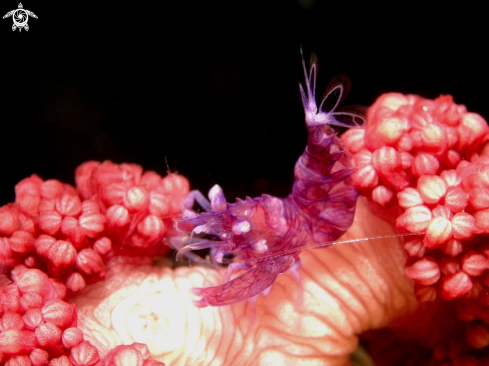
[(244, 287)]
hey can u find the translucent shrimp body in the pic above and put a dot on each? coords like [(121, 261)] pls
[(265, 235)]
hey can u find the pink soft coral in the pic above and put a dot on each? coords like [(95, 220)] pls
[(431, 158), (69, 234)]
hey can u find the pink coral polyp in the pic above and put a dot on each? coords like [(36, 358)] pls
[(424, 271), (136, 354)]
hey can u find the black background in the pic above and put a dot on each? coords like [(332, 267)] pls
[(211, 85)]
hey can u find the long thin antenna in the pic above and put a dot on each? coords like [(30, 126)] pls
[(323, 245), (170, 174)]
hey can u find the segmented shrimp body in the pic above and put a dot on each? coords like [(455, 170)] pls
[(265, 235)]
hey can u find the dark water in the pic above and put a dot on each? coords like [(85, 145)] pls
[(211, 86)]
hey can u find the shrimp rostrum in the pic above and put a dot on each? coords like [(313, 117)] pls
[(262, 237)]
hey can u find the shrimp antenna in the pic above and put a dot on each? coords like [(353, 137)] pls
[(328, 112), (309, 101), (327, 244)]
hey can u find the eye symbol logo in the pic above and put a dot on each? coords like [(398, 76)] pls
[(20, 17)]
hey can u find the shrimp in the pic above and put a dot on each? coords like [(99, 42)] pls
[(264, 236)]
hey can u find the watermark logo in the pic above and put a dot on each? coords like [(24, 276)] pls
[(20, 17)]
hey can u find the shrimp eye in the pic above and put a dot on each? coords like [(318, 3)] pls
[(241, 227)]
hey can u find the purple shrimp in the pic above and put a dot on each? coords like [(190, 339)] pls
[(265, 235)]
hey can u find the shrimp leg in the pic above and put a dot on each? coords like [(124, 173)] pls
[(197, 195), (178, 242), (294, 271), (233, 267), (216, 197), (217, 203)]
